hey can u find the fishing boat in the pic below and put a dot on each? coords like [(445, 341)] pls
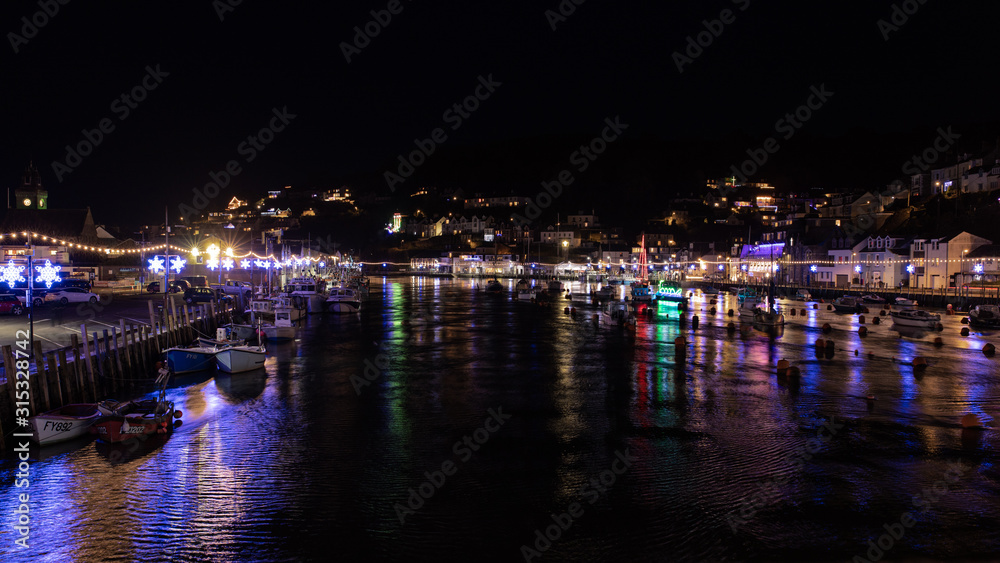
[(984, 316), (133, 419), (904, 302), (872, 299), (746, 293), (187, 360), (238, 333), (237, 359), (846, 304), (67, 422), (617, 313), (343, 300), (311, 291), (640, 292), (770, 317), (915, 317), (708, 290), (802, 295), (494, 287), (281, 329), (748, 308), (292, 304), (669, 291), (224, 336)]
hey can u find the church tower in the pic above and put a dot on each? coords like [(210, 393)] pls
[(31, 195)]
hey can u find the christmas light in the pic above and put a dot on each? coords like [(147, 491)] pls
[(48, 274), (156, 264), (177, 263), (11, 274)]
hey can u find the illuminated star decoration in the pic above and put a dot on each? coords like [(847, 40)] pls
[(978, 268), (814, 268), (857, 268), (156, 264), (11, 274), (48, 273), (774, 267), (322, 264), (177, 263), (227, 264), (910, 269), (721, 267), (245, 264), (212, 263)]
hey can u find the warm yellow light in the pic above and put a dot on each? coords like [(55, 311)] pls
[(195, 251)]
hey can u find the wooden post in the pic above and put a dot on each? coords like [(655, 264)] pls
[(109, 362), (88, 363), (101, 377), (118, 352), (141, 352), (53, 373), (126, 346), (173, 308), (152, 316), (75, 345), (10, 370), (40, 379)]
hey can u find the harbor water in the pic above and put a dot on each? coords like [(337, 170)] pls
[(442, 423)]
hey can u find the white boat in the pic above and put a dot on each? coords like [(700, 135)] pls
[(748, 308), (281, 329), (67, 422), (915, 317), (904, 302), (343, 300), (802, 295), (984, 316), (295, 307), (236, 359), (617, 313), (606, 292), (311, 291), (526, 294)]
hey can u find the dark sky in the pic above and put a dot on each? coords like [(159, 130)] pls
[(352, 119)]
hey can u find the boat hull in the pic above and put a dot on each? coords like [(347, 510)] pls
[(239, 359), (65, 423), (279, 332), (187, 360), (135, 419), (343, 306), (930, 321)]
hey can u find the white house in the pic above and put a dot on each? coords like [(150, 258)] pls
[(935, 261)]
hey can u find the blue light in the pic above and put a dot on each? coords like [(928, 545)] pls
[(814, 268), (978, 268), (857, 268), (910, 269)]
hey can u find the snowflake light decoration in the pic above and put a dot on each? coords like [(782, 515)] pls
[(857, 269), (212, 263), (910, 269), (978, 268), (227, 264), (11, 274), (156, 264), (261, 263), (48, 274), (814, 268), (245, 264), (177, 263)]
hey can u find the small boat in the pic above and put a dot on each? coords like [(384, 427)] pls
[(915, 317), (187, 360), (670, 291), (746, 293), (984, 316), (555, 286), (223, 337), (133, 419), (748, 309), (494, 286), (311, 292), (606, 292), (618, 313), (709, 290), (67, 422), (640, 292), (237, 359), (343, 300), (768, 318), (281, 329), (846, 304), (872, 299), (802, 295), (904, 302)]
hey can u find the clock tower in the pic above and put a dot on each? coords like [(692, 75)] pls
[(31, 195)]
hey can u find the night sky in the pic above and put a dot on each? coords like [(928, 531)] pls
[(351, 121)]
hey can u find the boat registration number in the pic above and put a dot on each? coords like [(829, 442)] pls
[(58, 426), (134, 430)]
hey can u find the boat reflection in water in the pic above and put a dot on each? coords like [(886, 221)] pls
[(118, 453), (241, 387)]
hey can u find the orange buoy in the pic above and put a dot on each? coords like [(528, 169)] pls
[(882, 313), (919, 363), (876, 321), (965, 331), (711, 311), (783, 367), (938, 341), (815, 306), (863, 331), (802, 312), (861, 319), (178, 413), (565, 310), (971, 421), (989, 349), (822, 301), (820, 343), (827, 328), (965, 320), (855, 352), (939, 327)]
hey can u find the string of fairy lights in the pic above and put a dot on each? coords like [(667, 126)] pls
[(26, 236)]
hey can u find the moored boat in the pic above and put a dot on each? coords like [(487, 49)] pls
[(187, 360), (236, 359), (494, 287), (67, 422), (555, 286), (617, 313), (670, 291), (640, 292), (915, 317), (802, 295), (984, 316), (904, 302), (846, 304), (311, 291), (343, 300), (872, 299), (133, 419)]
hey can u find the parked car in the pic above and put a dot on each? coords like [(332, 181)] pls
[(72, 295), (232, 287), (200, 295), (195, 281), (10, 304), (176, 286), (71, 282), (37, 296)]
